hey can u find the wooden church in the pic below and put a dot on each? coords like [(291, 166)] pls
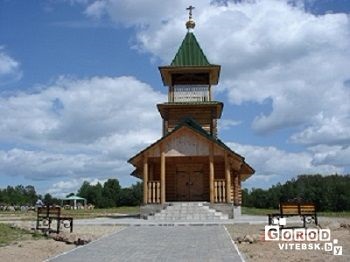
[(189, 162)]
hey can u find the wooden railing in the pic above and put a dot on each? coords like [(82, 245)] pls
[(220, 191), (232, 194), (153, 192), (191, 93)]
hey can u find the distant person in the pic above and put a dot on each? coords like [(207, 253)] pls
[(39, 203)]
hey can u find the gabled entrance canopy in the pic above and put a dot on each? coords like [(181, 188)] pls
[(189, 139), (189, 148)]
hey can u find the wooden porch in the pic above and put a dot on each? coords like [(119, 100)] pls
[(187, 165), (190, 179)]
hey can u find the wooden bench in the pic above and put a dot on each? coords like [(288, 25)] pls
[(306, 210), (46, 215)]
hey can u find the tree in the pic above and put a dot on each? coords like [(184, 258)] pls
[(30, 195), (110, 192), (50, 200), (329, 193)]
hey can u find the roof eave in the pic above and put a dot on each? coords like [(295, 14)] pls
[(212, 70)]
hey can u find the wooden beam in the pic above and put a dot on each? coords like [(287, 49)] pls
[(228, 179), (162, 177), (239, 190), (166, 127), (145, 179), (211, 173)]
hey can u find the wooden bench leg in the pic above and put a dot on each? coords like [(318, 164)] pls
[(50, 221), (58, 225)]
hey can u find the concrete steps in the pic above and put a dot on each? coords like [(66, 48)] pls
[(188, 211)]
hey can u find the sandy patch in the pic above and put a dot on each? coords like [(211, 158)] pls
[(270, 251), (39, 250)]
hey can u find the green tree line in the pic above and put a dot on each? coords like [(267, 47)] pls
[(110, 194), (18, 195), (329, 193)]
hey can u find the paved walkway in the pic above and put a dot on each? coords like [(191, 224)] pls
[(158, 243), (127, 221)]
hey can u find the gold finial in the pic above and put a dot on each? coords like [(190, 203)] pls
[(190, 24)]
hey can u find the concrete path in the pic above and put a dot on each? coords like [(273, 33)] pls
[(158, 243), (127, 221)]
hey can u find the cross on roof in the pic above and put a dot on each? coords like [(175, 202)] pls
[(190, 8)]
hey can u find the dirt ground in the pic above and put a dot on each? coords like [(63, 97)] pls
[(42, 249), (270, 251)]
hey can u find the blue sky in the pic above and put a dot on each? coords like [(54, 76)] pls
[(79, 82)]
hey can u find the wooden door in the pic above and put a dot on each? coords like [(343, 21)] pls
[(196, 185), (182, 180), (189, 183)]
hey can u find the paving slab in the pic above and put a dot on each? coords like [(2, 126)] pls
[(158, 243), (127, 221)]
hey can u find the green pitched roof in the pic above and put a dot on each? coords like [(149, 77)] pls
[(190, 53)]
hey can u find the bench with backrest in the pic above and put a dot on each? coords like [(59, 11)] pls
[(306, 210), (48, 214)]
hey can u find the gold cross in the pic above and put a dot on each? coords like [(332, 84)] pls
[(190, 8)]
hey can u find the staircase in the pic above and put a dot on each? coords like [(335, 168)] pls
[(188, 211)]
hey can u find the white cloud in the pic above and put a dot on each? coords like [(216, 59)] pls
[(9, 68), (80, 111), (274, 165), (226, 124), (335, 155), (63, 188), (78, 128), (96, 9), (270, 51)]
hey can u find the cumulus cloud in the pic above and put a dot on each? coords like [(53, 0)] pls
[(270, 50), (272, 164), (81, 111), (226, 124), (336, 155), (9, 68), (78, 128), (63, 188)]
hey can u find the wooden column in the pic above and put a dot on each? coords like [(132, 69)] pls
[(162, 177), (210, 97), (211, 173), (236, 189), (145, 179), (151, 171), (239, 189), (166, 126), (228, 179)]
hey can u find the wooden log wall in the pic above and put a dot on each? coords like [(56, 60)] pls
[(237, 190)]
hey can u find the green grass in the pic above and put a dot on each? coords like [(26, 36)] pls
[(10, 235), (263, 212), (101, 212), (76, 214), (334, 214), (257, 211)]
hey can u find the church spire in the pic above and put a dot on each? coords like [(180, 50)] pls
[(190, 24)]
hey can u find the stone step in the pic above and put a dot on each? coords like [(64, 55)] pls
[(188, 211)]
